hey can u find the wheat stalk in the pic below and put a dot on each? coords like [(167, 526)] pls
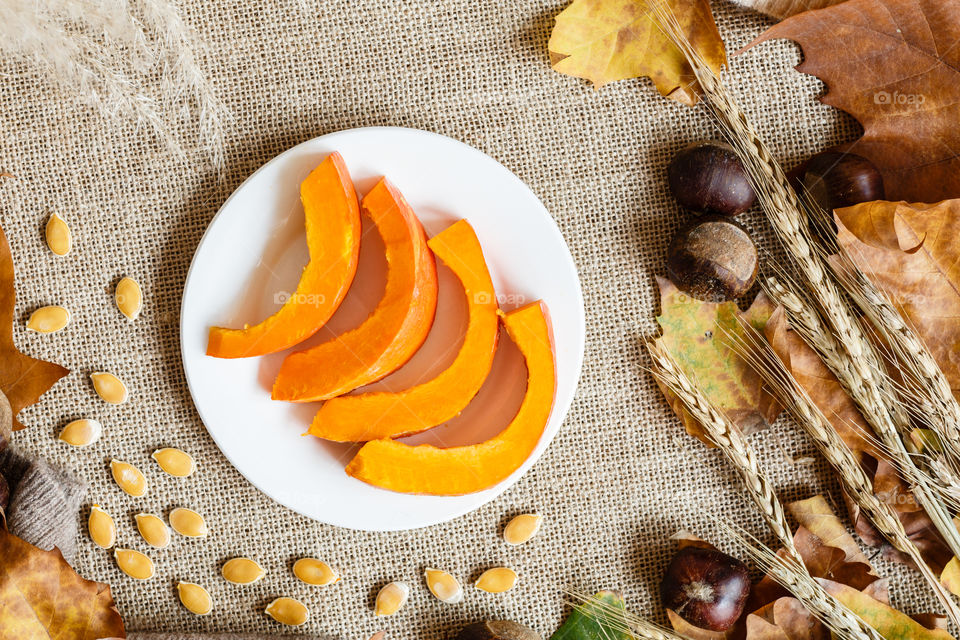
[(722, 433), (859, 367), (105, 55), (854, 479), (805, 321)]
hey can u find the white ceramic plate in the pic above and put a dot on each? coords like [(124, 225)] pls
[(253, 252)]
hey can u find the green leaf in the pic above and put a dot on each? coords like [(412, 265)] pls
[(592, 620)]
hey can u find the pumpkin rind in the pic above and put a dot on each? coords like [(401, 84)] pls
[(332, 217), (370, 416), (396, 328), (425, 469)]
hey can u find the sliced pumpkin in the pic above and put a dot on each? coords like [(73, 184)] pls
[(369, 416), (395, 329), (333, 239), (426, 469)]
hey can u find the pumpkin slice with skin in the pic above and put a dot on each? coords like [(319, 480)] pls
[(425, 469), (369, 416), (395, 329), (333, 239)]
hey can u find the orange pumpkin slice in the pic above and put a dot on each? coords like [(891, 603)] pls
[(427, 469), (374, 415), (333, 238), (395, 329)]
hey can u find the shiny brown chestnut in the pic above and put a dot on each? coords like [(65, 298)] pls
[(706, 587), (713, 259), (708, 177), (836, 180)]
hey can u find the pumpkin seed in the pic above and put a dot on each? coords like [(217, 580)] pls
[(391, 598), (288, 611), (57, 233), (188, 523), (81, 433), (175, 462), (497, 580), (109, 387), (315, 572), (444, 586), (522, 528), (129, 478), (195, 598), (134, 564), (48, 319), (241, 571), (153, 530), (102, 530), (129, 298)]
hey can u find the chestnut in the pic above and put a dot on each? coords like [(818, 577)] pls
[(713, 259), (836, 180), (706, 587), (708, 177), (497, 630)]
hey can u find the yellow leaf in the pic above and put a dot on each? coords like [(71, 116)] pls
[(609, 40), (950, 578)]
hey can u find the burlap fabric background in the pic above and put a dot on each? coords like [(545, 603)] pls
[(619, 479)]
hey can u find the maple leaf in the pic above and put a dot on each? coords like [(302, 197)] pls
[(895, 67), (609, 40), (699, 335), (42, 597), (22, 379), (911, 253)]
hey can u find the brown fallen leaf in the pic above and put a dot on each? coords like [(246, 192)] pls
[(824, 388), (22, 379), (781, 9), (698, 334), (42, 597), (911, 252), (817, 517), (609, 40), (893, 65)]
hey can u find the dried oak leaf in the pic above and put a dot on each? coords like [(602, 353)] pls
[(22, 379), (911, 252), (41, 597), (834, 559), (698, 334), (895, 67), (785, 619), (609, 40)]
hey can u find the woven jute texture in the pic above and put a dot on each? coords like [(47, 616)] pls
[(620, 477)]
